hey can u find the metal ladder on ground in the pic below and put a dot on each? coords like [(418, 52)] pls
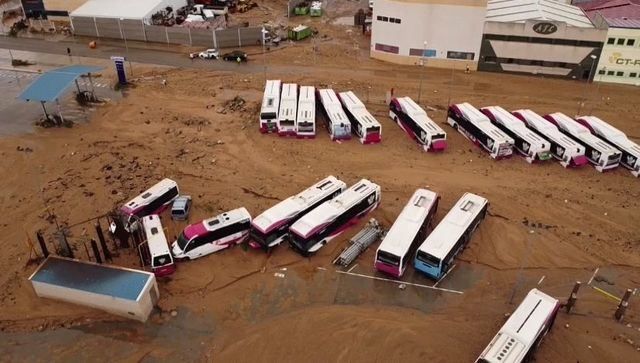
[(360, 242)]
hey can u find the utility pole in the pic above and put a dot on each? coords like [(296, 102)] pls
[(126, 46), (422, 60), (593, 104), (586, 85)]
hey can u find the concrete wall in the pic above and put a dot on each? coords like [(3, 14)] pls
[(620, 58), (136, 30), (446, 26), (137, 310)]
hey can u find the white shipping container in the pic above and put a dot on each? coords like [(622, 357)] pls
[(116, 290)]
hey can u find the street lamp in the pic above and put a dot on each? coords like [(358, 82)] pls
[(126, 46), (422, 59), (602, 72), (584, 96), (264, 54)]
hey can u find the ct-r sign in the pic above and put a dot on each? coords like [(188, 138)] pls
[(545, 28)]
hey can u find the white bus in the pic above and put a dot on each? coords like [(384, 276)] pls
[(450, 237), (336, 120), (630, 150), (523, 332), (306, 120), (602, 155), (477, 127), (270, 107), (363, 124), (288, 110), (414, 121), (529, 144), (568, 152), (152, 201), (213, 234), (159, 254), (409, 229), (272, 226), (332, 217)]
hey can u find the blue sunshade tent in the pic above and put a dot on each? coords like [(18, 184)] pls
[(52, 84)]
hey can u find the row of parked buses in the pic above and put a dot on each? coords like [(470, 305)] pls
[(573, 142), (432, 255), (289, 110)]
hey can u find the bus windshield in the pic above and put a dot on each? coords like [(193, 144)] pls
[(373, 129), (428, 259), (268, 115), (263, 238), (182, 241), (388, 258)]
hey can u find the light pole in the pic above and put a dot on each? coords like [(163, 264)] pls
[(453, 67), (126, 46), (584, 96), (422, 60), (604, 70), (264, 54)]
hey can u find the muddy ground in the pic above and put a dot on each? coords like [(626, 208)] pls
[(236, 306)]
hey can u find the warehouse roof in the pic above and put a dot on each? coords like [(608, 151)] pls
[(90, 277), (125, 9), (522, 10), (617, 13)]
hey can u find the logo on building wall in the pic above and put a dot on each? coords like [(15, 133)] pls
[(545, 28), (617, 58)]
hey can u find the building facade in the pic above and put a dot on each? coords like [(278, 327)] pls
[(620, 60), (540, 37), (446, 32)]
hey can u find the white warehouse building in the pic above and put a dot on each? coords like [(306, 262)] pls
[(445, 31)]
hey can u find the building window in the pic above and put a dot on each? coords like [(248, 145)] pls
[(610, 73), (619, 74), (631, 42), (490, 59), (379, 18), (609, 41), (601, 72), (387, 48), (398, 21), (429, 53), (460, 55), (385, 18), (620, 41), (633, 74)]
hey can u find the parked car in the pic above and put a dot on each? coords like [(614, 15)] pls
[(181, 208), (233, 56), (209, 54)]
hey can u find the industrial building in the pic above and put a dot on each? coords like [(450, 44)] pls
[(540, 37), (447, 32), (620, 60)]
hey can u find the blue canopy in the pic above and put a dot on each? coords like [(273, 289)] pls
[(49, 86)]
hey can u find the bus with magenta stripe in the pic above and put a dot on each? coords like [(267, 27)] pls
[(288, 110), (523, 332), (336, 120), (270, 106), (414, 121), (451, 236), (330, 219), (363, 124), (271, 227), (152, 201), (477, 127), (408, 231)]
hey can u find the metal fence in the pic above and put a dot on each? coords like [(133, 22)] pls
[(137, 30)]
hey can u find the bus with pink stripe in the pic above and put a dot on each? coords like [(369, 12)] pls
[(363, 124), (414, 121), (330, 219), (213, 234), (408, 231), (152, 201)]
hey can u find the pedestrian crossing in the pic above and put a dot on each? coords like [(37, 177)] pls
[(84, 83)]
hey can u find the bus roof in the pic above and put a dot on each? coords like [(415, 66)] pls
[(481, 121), (612, 134), (357, 109), (549, 130), (331, 209), (408, 223), (290, 207), (581, 132), (307, 103), (519, 333), (418, 115), (271, 98), (514, 124), (351, 101), (156, 239), (213, 223), (329, 97), (446, 234), (272, 87), (289, 91), (159, 188)]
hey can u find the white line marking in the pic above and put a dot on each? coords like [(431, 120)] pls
[(400, 282), (593, 276), (352, 267), (541, 279), (445, 275)]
